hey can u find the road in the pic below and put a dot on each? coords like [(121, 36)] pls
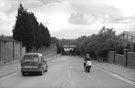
[(66, 72)]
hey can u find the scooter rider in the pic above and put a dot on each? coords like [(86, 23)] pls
[(87, 62), (88, 65), (85, 59)]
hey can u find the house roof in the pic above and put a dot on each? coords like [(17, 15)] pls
[(7, 38), (131, 33)]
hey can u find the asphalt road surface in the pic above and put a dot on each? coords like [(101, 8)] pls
[(66, 72)]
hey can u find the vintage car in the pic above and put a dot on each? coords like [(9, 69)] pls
[(33, 63)]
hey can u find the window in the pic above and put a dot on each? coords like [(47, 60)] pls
[(129, 38), (31, 58), (27, 58), (35, 59)]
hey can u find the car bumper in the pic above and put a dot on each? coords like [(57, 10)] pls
[(31, 69)]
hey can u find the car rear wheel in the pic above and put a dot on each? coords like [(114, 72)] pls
[(46, 70), (23, 74), (42, 72)]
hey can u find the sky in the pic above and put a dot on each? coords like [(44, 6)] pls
[(71, 19)]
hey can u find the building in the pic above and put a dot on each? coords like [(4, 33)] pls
[(69, 49), (129, 38)]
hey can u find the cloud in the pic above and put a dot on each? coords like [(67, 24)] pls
[(123, 20), (91, 7), (61, 15), (70, 34), (12, 5), (117, 17), (80, 19), (30, 4), (74, 31), (104, 11), (8, 6), (50, 1)]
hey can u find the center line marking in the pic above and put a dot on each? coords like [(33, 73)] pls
[(124, 79)]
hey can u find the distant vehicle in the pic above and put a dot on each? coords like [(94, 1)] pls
[(33, 63), (65, 53)]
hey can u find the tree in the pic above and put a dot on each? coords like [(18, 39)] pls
[(23, 30), (45, 35), (28, 30), (57, 42), (101, 43)]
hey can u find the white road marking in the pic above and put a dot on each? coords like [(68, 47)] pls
[(124, 79), (8, 76)]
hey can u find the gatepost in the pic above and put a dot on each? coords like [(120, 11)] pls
[(125, 56), (0, 50)]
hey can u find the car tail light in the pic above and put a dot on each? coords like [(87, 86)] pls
[(21, 64), (39, 65)]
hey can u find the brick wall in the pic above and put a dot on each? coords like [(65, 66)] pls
[(17, 50), (127, 60), (119, 59), (10, 50), (6, 50), (111, 57), (131, 59)]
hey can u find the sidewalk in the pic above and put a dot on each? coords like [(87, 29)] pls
[(10, 68), (117, 69)]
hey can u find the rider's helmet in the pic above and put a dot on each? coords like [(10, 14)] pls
[(87, 55)]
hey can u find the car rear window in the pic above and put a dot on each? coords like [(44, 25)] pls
[(35, 59), (30, 58)]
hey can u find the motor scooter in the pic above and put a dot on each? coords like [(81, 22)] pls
[(87, 68)]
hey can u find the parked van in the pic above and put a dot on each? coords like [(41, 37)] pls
[(33, 63)]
